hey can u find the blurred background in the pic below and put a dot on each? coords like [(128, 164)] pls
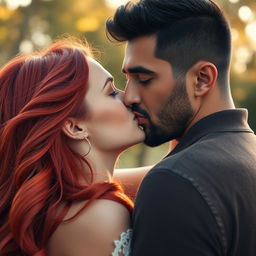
[(26, 25)]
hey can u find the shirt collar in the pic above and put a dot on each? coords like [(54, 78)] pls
[(232, 120)]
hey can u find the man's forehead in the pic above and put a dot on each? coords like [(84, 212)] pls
[(136, 65), (140, 57), (139, 52), (141, 44)]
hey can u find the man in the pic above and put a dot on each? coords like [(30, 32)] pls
[(200, 199)]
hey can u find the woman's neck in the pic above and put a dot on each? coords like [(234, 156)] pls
[(102, 164)]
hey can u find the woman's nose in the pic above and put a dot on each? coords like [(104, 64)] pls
[(121, 95)]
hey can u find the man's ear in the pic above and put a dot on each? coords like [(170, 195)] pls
[(74, 128), (205, 76)]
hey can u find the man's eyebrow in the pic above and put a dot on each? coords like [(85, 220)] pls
[(109, 79), (137, 69)]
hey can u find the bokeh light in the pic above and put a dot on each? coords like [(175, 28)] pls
[(87, 24), (14, 4), (26, 46), (250, 30), (115, 3), (245, 13)]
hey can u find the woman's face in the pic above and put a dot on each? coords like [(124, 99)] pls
[(110, 124)]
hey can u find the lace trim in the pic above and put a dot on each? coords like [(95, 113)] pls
[(124, 244)]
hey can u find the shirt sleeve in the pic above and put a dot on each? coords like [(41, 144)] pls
[(172, 218)]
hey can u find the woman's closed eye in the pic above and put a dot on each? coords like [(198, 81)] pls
[(111, 90), (113, 93)]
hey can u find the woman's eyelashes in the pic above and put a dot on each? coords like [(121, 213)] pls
[(113, 94), (112, 90)]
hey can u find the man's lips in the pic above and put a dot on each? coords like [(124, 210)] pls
[(141, 119)]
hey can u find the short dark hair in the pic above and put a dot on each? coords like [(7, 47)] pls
[(186, 31)]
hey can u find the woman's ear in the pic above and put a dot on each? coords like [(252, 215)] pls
[(205, 77), (74, 128)]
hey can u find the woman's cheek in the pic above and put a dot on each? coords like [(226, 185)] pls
[(111, 113)]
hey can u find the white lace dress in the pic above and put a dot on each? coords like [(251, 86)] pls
[(123, 245)]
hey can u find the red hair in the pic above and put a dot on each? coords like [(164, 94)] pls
[(38, 170)]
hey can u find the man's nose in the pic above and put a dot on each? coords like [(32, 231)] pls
[(131, 95)]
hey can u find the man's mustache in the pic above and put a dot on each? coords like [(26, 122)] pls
[(135, 108)]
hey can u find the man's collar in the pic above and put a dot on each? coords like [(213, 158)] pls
[(233, 120)]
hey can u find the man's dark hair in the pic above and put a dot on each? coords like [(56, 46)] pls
[(187, 31)]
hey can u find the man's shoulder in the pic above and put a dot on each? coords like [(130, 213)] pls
[(195, 154), (211, 161), (208, 164), (212, 151)]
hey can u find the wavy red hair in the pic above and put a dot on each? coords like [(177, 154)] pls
[(38, 170)]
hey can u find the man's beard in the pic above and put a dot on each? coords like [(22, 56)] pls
[(174, 116)]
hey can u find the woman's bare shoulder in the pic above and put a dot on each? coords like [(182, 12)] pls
[(92, 232)]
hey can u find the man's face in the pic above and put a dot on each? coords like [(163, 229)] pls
[(159, 102)]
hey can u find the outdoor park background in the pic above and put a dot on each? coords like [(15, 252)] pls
[(26, 25)]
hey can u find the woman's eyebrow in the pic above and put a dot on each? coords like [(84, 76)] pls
[(109, 79)]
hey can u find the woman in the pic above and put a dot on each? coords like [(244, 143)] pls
[(62, 126)]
